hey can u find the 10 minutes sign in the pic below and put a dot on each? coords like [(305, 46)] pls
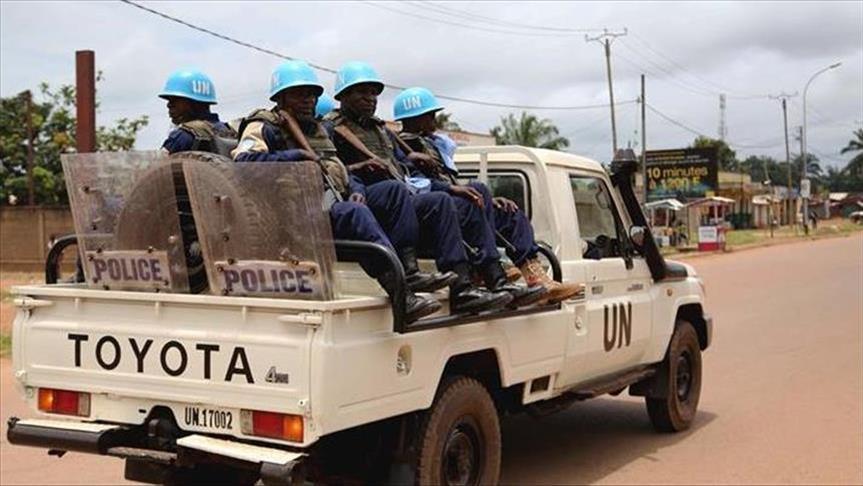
[(687, 173)]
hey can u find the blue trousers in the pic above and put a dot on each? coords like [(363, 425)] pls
[(440, 234), (353, 221), (514, 227), (477, 226), (392, 205)]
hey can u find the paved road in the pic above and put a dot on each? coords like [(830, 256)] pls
[(782, 397)]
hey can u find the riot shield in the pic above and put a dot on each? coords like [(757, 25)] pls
[(125, 214), (262, 228)]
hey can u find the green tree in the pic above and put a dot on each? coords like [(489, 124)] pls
[(444, 122), (530, 131), (53, 124), (854, 169), (727, 157)]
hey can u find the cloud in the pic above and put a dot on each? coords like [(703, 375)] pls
[(690, 51)]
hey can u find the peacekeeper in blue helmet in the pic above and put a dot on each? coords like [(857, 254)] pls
[(190, 93), (289, 132), (324, 106), (415, 108), (372, 154)]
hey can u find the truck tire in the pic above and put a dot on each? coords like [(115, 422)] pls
[(682, 368), (459, 442)]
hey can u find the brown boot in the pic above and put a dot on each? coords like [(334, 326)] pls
[(512, 273), (557, 292)]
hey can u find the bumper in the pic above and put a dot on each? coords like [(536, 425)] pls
[(275, 466)]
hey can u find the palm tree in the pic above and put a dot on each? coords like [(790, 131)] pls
[(530, 131), (855, 165), (443, 121)]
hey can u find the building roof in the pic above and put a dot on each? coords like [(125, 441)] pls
[(672, 204)]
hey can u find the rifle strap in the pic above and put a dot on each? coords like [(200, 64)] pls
[(358, 144), (404, 145), (294, 128)]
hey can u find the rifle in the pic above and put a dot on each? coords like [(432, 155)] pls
[(295, 131), (358, 144)]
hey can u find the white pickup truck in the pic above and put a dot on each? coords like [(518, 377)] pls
[(223, 387)]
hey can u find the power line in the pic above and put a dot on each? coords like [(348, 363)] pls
[(701, 133), (704, 81), (459, 24), (493, 21), (333, 71)]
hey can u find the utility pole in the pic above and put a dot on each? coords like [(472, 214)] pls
[(85, 101), (31, 192), (723, 129), (784, 98), (606, 38), (643, 140)]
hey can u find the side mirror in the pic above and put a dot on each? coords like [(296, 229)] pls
[(636, 235)]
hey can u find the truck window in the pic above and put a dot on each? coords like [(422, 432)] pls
[(597, 217), (509, 184)]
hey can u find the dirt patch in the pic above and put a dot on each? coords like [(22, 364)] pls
[(7, 308)]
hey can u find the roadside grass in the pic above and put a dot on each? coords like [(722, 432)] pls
[(738, 238), (5, 344)]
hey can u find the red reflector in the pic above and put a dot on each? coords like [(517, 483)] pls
[(277, 425), (64, 402)]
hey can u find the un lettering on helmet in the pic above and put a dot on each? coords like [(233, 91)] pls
[(200, 86), (412, 102)]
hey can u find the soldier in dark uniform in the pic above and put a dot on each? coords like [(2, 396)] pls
[(289, 132), (369, 149), (190, 93), (416, 108)]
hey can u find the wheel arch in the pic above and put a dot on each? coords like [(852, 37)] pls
[(694, 314)]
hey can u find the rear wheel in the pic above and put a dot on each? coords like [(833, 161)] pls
[(459, 442), (682, 369)]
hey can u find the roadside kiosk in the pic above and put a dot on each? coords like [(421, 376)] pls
[(710, 214), (665, 221)]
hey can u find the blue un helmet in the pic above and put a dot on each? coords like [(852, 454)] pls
[(291, 74), (414, 102), (325, 105), (354, 73), (191, 84)]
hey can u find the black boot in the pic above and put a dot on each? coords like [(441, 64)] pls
[(416, 306), (464, 298), (422, 281), (495, 279)]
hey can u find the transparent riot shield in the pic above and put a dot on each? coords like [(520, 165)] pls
[(126, 219), (262, 228)]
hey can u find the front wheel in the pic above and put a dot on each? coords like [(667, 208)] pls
[(682, 369), (459, 442)]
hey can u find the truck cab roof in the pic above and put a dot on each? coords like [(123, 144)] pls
[(518, 153)]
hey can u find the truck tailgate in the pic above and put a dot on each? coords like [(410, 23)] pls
[(133, 354)]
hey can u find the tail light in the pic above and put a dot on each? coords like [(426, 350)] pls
[(272, 424), (64, 402)]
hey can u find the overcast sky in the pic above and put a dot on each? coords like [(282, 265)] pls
[(486, 51)]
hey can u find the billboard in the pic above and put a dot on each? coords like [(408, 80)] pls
[(682, 173)]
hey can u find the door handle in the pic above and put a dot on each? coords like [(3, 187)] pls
[(635, 287), (596, 289)]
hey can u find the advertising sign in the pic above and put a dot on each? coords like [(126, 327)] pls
[(682, 173)]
